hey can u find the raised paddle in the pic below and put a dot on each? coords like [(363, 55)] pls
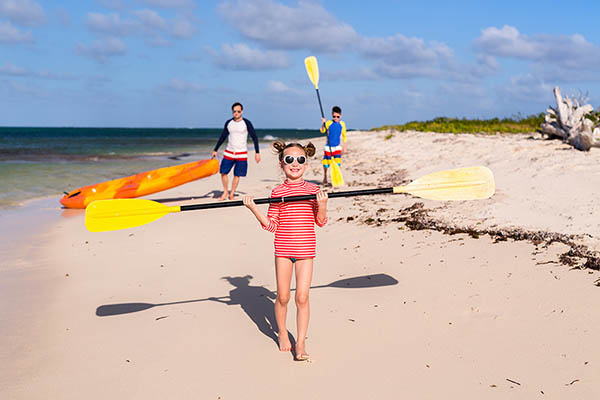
[(471, 183), (312, 69)]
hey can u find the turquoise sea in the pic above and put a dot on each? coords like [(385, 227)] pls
[(45, 162)]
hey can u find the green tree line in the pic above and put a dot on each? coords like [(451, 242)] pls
[(516, 124)]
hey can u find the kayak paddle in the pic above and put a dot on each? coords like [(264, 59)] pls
[(312, 69), (470, 183)]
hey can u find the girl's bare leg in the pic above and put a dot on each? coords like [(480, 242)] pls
[(283, 274), (304, 270)]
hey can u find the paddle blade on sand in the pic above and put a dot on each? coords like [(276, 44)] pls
[(312, 69), (115, 214), (374, 280), (471, 183), (126, 308)]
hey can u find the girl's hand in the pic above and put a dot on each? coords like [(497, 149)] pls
[(322, 199), (249, 202)]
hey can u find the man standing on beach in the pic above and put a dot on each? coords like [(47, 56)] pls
[(235, 155)]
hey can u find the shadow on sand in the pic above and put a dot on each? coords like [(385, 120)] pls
[(256, 301)]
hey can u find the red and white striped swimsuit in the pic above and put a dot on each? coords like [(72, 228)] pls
[(294, 223)]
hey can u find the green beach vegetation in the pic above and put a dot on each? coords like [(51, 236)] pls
[(516, 124)]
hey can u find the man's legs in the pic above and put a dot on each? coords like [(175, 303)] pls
[(225, 180), (240, 169), (234, 184)]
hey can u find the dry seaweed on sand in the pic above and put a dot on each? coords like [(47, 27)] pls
[(416, 217)]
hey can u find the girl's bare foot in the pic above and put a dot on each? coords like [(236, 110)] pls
[(231, 196), (284, 342), (223, 196), (301, 354)]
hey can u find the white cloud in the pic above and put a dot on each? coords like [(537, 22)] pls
[(508, 42), (182, 29), (151, 19), (182, 86), (359, 73), (23, 12), (277, 87), (553, 56), (11, 69), (527, 87), (24, 88), (170, 3), (402, 57), (240, 56), (110, 24), (308, 25), (404, 50), (157, 41), (147, 22), (112, 4), (11, 34), (304, 26), (281, 91), (102, 50)]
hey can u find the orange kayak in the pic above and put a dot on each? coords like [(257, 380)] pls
[(141, 184)]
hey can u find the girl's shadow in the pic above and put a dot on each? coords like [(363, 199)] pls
[(257, 302)]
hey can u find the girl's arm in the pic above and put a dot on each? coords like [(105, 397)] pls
[(321, 212), (249, 203), (270, 222)]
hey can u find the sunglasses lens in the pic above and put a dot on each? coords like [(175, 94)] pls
[(290, 159)]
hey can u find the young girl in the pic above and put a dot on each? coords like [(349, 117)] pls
[(294, 226)]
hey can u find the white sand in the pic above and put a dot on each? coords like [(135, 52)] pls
[(465, 317)]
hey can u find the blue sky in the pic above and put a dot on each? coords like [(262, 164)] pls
[(181, 63)]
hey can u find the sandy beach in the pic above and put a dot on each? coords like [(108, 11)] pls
[(182, 308)]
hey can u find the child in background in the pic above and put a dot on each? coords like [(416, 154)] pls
[(335, 146), (295, 242)]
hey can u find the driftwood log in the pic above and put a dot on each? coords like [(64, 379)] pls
[(570, 121)]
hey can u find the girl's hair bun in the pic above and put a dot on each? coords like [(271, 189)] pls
[(310, 149), (279, 146)]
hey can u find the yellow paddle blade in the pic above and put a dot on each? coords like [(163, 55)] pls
[(471, 183), (312, 69), (336, 174), (112, 215)]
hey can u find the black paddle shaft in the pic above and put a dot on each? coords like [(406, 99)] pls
[(326, 130), (320, 105), (268, 200)]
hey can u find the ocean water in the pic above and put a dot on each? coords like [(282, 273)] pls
[(45, 162)]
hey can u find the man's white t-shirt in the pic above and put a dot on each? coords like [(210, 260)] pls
[(238, 136)]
